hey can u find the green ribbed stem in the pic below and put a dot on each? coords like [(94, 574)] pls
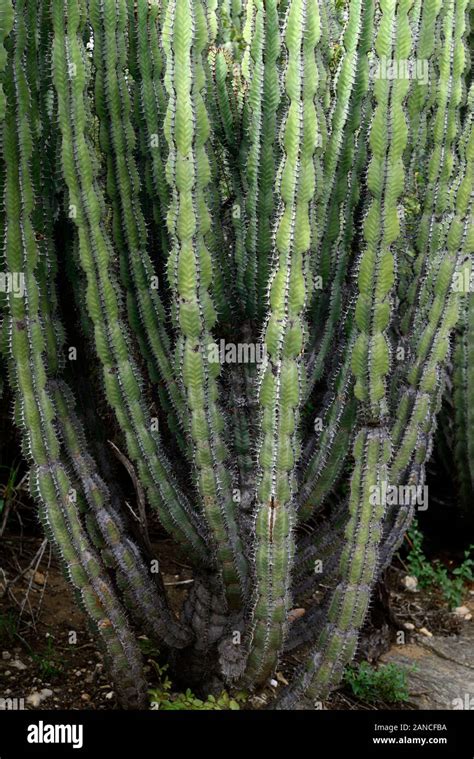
[(112, 99), (281, 376), (121, 377), (49, 478), (190, 277)]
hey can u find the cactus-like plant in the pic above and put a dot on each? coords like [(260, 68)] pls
[(263, 211)]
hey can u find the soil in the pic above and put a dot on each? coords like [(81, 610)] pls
[(42, 628)]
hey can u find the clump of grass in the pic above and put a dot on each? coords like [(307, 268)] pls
[(47, 662), (8, 628), (387, 683)]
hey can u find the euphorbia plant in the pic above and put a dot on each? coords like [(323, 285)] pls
[(280, 176)]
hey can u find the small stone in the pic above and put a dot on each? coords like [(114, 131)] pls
[(6, 655), (36, 698), (39, 578), (109, 695), (85, 697), (274, 683), (8, 672), (410, 583), (408, 625), (296, 614), (94, 675), (425, 632), (18, 664), (461, 611)]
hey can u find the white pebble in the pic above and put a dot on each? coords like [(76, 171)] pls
[(35, 699), (410, 583), (18, 664), (425, 632), (461, 611)]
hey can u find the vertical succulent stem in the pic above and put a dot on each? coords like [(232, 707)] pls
[(282, 373), (49, 478), (190, 275), (121, 377)]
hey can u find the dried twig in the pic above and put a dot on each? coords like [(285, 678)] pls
[(140, 494)]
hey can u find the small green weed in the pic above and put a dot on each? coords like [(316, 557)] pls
[(434, 574), (8, 628), (388, 683), (47, 661), (163, 698)]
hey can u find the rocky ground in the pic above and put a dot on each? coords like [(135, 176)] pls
[(48, 660), (441, 668)]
